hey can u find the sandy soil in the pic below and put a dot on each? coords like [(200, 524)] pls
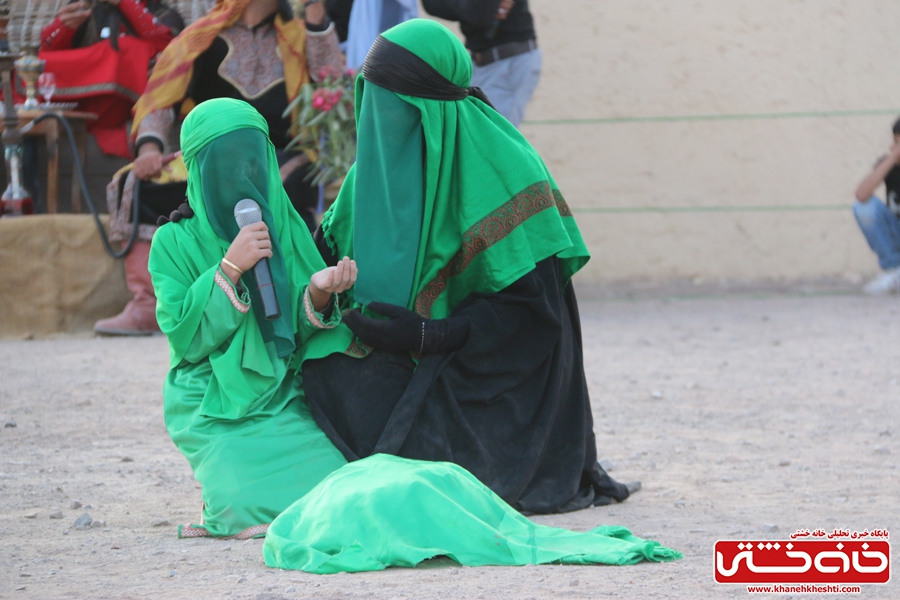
[(738, 413)]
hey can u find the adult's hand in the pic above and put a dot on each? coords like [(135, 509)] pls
[(503, 9), (406, 331), (149, 163), (870, 182), (74, 14), (314, 13), (251, 245), (332, 280)]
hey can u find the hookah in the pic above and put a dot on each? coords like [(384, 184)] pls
[(16, 200)]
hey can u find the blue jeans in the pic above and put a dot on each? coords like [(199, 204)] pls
[(509, 83), (882, 230)]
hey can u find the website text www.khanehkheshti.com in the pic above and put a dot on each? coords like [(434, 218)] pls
[(803, 589)]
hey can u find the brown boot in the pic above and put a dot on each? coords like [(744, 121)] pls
[(139, 316)]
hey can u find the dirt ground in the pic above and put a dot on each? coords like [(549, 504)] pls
[(744, 416)]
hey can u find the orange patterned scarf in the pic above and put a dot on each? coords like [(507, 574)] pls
[(170, 79)]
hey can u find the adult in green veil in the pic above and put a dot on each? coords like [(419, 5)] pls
[(465, 243), (233, 398)]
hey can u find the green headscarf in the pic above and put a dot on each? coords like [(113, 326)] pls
[(489, 208), (229, 157)]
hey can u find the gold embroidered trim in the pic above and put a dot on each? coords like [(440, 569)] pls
[(226, 286), (311, 312), (187, 531)]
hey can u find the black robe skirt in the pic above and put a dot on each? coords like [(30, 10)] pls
[(511, 406)]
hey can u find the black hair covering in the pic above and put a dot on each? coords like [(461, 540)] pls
[(395, 68)]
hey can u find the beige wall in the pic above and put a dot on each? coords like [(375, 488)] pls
[(716, 139)]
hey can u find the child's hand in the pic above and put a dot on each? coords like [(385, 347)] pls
[(251, 245), (332, 280)]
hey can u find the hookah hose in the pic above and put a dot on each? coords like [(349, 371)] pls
[(79, 171)]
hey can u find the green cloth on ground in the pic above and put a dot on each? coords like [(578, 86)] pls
[(386, 511), (491, 209), (233, 402)]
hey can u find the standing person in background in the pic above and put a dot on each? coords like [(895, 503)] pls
[(358, 23), (500, 37), (880, 222)]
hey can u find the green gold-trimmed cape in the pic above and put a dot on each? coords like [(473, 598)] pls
[(490, 210)]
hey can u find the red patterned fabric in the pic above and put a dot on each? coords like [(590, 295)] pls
[(106, 82)]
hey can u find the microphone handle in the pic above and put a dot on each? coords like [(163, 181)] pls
[(266, 289)]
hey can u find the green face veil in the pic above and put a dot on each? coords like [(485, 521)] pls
[(229, 157), (488, 209), (231, 167)]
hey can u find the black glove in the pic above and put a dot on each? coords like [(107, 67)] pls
[(405, 331), (183, 212)]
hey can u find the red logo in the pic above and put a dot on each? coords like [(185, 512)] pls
[(803, 561)]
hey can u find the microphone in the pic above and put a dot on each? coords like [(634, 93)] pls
[(247, 212)]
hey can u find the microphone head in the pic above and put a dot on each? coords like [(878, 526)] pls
[(247, 212)]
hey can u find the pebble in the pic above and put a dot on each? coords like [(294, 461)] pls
[(31, 515), (606, 464), (57, 514), (10, 423), (74, 504), (881, 450), (242, 580), (83, 522), (115, 546), (657, 394), (679, 503), (769, 527), (573, 583), (173, 573), (159, 523), (841, 499), (127, 459), (98, 524), (291, 589), (884, 433), (20, 588)]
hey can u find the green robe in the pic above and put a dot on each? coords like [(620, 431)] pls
[(234, 403)]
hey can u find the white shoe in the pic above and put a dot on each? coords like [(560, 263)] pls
[(886, 283)]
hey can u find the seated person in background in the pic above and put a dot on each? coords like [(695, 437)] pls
[(465, 243), (879, 222), (233, 403), (101, 55), (252, 50)]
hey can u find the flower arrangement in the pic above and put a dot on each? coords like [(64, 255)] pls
[(325, 125)]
